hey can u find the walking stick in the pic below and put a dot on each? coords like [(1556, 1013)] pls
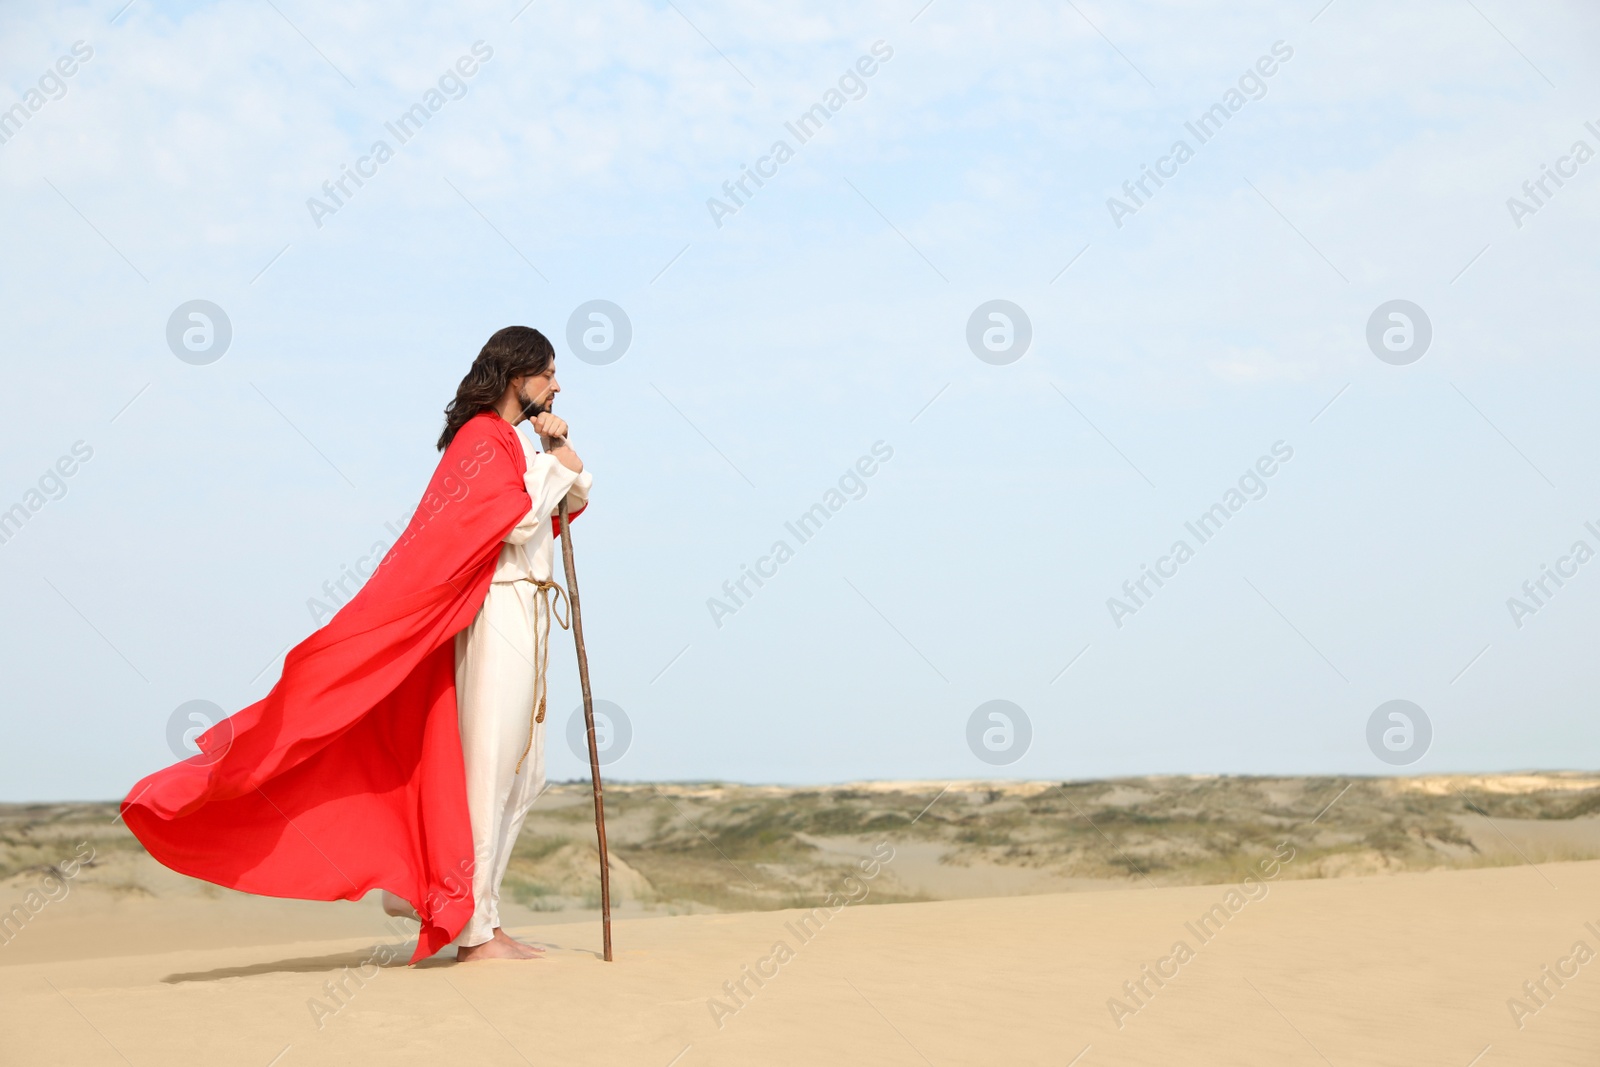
[(588, 719)]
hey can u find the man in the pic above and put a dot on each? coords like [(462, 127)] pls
[(362, 769), (503, 656)]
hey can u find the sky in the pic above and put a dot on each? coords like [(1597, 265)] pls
[(1347, 320)]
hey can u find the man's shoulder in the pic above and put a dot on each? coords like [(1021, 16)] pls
[(485, 425), (486, 439)]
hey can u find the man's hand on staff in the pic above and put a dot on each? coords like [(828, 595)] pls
[(552, 431), (548, 426)]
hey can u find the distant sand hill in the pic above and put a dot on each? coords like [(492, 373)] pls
[(680, 848), (715, 847)]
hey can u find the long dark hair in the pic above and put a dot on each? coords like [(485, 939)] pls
[(511, 353)]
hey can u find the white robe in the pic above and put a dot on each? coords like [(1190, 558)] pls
[(495, 692)]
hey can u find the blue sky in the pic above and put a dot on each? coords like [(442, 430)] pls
[(770, 353)]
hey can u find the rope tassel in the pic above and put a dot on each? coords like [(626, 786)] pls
[(542, 609)]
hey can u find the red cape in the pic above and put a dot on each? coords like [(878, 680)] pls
[(347, 777)]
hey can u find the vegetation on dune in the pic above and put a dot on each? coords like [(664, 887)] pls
[(724, 847)]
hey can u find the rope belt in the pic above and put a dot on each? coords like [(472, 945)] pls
[(542, 608)]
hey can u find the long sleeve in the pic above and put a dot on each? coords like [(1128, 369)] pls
[(578, 495), (528, 551), (547, 482)]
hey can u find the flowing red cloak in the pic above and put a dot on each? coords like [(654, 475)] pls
[(347, 777)]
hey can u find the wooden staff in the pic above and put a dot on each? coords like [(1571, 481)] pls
[(588, 719)]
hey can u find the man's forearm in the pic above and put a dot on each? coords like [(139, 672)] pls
[(558, 447)]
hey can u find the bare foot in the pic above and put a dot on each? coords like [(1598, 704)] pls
[(526, 950), (492, 949)]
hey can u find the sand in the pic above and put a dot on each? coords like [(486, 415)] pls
[(1401, 969)]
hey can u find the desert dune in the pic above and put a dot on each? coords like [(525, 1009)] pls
[(1275, 964)]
